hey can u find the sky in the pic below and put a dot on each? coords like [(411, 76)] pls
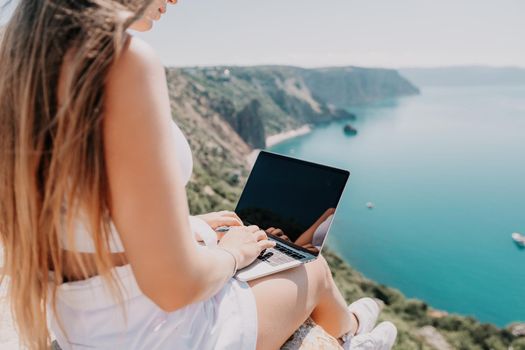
[(308, 33), (313, 33), (319, 33)]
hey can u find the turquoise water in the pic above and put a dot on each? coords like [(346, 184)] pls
[(446, 171)]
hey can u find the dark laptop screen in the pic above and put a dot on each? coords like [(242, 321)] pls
[(291, 199)]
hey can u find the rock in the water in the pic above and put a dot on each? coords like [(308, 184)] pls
[(350, 130)]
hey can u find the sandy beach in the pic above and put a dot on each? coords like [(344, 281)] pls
[(278, 138), (281, 137)]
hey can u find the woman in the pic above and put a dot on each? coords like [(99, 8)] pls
[(93, 211)]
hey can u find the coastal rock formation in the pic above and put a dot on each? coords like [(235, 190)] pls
[(219, 152), (249, 125), (289, 96), (228, 111), (350, 130), (348, 86)]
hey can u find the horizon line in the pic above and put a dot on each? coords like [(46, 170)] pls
[(429, 67)]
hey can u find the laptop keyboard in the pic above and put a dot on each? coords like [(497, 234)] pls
[(279, 255)]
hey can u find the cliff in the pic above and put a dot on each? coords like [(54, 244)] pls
[(348, 86), (288, 97), (225, 113)]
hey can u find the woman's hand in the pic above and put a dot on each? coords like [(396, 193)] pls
[(245, 243), (278, 233), (221, 218)]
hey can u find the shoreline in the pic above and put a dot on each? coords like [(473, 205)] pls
[(286, 135), (279, 138)]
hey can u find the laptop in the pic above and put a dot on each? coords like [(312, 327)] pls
[(295, 202)]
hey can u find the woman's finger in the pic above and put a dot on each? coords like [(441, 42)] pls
[(278, 232), (260, 235), (252, 228), (227, 221), (230, 214), (266, 244)]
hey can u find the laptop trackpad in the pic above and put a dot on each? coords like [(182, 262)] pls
[(261, 268)]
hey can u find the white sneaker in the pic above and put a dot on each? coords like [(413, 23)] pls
[(382, 337), (366, 311)]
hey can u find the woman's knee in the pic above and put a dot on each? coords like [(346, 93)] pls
[(323, 274), (311, 281), (322, 261)]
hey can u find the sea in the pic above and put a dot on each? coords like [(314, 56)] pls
[(445, 171)]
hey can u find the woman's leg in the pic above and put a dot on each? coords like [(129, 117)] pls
[(286, 299)]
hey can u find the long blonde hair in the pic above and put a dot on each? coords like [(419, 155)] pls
[(51, 154)]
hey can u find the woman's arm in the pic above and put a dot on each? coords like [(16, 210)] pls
[(147, 196), (307, 236)]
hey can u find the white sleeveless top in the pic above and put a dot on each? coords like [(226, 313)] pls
[(82, 239), (92, 319)]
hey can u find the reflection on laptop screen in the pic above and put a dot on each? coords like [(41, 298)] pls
[(292, 199)]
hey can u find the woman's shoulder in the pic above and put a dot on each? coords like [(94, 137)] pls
[(136, 85), (136, 59)]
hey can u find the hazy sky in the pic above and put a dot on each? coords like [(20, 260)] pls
[(312, 33), (388, 33)]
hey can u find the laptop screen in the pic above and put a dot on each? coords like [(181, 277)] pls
[(292, 200)]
